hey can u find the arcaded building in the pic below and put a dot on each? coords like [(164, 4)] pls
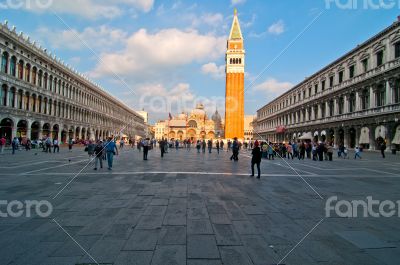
[(40, 96), (354, 101)]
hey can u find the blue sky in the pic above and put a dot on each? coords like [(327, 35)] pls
[(169, 55)]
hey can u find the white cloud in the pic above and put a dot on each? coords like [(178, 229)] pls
[(152, 54), (277, 28), (100, 38), (90, 9), (237, 2), (273, 87), (212, 69)]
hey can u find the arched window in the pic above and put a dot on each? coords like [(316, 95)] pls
[(230, 61), (240, 60), (4, 95), (4, 62), (20, 69), (40, 78), (352, 102), (34, 73), (28, 72), (13, 66), (51, 83), (46, 77), (341, 105)]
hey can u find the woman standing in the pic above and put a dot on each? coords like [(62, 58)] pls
[(256, 159)]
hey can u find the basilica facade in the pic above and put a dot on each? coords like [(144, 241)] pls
[(195, 125)]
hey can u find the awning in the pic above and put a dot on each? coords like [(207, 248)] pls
[(380, 132), (364, 136), (396, 139), (306, 136)]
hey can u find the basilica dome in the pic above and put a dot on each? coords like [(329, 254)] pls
[(216, 117), (199, 111)]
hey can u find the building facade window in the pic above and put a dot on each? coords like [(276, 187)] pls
[(340, 77), (352, 103), (396, 92), (351, 71), (331, 79), (365, 65), (397, 50), (4, 62), (379, 58), (323, 85), (380, 96)]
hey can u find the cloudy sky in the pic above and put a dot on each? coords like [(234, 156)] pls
[(166, 56)]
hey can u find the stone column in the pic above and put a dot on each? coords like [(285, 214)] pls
[(358, 105), (320, 110), (336, 106), (312, 113), (336, 135), (389, 92), (346, 137), (327, 109), (371, 137), (372, 102), (345, 104), (358, 134)]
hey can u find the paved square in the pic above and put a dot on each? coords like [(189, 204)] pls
[(191, 208)]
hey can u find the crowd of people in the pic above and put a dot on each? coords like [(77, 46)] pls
[(101, 150)]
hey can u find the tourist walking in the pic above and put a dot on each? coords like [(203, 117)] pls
[(198, 146), (90, 149), (235, 150), (222, 145), (289, 150), (162, 144), (357, 153), (70, 144), (217, 146), (383, 148), (270, 152), (203, 146), (145, 148), (256, 159), (98, 152), (229, 146), (48, 145), (2, 144), (56, 146), (14, 144), (329, 151), (209, 144), (111, 149)]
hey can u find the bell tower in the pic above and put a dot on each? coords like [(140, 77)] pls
[(234, 93)]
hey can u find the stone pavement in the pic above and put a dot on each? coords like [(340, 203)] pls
[(195, 209)]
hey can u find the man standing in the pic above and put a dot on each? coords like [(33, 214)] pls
[(217, 145), (145, 148), (56, 146), (162, 147), (111, 149), (14, 145), (209, 144), (235, 150), (383, 148), (98, 152), (256, 159)]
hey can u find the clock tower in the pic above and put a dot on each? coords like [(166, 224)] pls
[(234, 93)]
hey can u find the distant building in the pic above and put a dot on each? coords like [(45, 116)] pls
[(248, 127), (194, 126), (145, 115)]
